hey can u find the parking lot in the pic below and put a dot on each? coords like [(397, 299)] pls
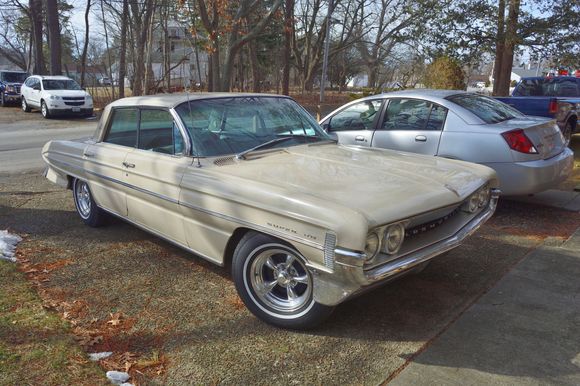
[(128, 292)]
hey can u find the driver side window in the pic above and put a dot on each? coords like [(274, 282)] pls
[(360, 116)]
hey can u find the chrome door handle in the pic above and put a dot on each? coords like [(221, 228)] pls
[(88, 154), (128, 165), (360, 138), (420, 138)]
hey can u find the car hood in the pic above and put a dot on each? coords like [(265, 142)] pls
[(13, 84), (67, 93), (382, 185)]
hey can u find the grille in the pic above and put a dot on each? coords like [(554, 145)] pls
[(17, 89), (73, 98), (329, 245), (223, 161), (422, 228), (74, 103)]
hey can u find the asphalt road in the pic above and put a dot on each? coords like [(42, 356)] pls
[(22, 136)]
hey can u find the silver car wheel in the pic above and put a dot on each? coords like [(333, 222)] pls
[(83, 199), (44, 109), (280, 280)]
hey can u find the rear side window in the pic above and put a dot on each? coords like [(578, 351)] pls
[(414, 114), (158, 132), (123, 127), (487, 109), (557, 87)]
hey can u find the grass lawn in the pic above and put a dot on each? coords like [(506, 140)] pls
[(36, 347)]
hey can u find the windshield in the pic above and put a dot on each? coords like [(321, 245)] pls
[(224, 126), (558, 87), (487, 109), (14, 77), (60, 84)]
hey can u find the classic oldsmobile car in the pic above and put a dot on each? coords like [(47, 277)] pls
[(253, 181)]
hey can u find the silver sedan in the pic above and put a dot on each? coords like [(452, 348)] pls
[(529, 154)]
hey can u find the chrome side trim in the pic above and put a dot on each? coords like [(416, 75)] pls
[(395, 267), (149, 192), (254, 226), (257, 227)]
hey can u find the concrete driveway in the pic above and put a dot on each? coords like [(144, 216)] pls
[(174, 306)]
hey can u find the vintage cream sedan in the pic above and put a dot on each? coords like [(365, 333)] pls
[(252, 181)]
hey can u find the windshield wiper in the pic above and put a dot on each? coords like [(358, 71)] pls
[(274, 141), (242, 154)]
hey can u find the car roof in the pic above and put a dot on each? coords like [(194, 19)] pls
[(52, 77), (549, 77), (172, 100)]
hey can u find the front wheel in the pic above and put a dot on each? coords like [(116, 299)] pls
[(25, 106), (44, 110), (274, 283), (90, 213)]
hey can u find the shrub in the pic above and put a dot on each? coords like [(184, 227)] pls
[(445, 73)]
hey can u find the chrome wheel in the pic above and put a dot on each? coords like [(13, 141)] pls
[(280, 280), (83, 199)]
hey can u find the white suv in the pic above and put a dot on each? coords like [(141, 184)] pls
[(55, 95)]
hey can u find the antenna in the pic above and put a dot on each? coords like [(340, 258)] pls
[(191, 119)]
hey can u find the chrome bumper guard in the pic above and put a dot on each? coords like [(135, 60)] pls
[(349, 278)]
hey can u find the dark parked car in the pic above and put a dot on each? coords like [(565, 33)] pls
[(541, 96), (10, 82)]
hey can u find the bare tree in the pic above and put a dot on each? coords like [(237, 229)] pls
[(123, 49), (85, 44), (35, 7), (54, 41)]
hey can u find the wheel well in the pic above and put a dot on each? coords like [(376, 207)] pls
[(70, 179), (573, 121), (233, 242)]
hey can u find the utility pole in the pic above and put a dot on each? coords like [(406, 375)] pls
[(326, 47)]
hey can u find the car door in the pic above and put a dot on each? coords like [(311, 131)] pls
[(33, 97), (411, 125), (105, 161), (154, 171), (355, 124)]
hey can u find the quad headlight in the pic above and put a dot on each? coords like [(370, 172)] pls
[(372, 245), (477, 200), (387, 239), (393, 238)]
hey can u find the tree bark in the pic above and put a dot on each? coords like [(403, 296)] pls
[(54, 37), (85, 44), (123, 49), (511, 38), (36, 24), (499, 46), (256, 78), (288, 35)]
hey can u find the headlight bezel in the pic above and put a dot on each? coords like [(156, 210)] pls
[(477, 200), (382, 233), (55, 97)]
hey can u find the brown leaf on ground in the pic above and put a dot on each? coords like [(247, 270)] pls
[(115, 319)]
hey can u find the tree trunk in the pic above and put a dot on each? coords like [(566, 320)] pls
[(256, 78), (508, 53), (85, 44), (288, 34), (123, 49), (499, 46), (36, 23), (54, 37)]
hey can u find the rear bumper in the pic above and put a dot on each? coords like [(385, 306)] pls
[(530, 177), (349, 278)]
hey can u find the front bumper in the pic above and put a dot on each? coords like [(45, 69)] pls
[(530, 177), (349, 277), (11, 97)]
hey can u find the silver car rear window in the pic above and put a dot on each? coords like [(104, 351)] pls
[(487, 109)]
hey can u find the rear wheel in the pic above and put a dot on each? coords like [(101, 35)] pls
[(91, 214), (25, 106), (274, 283), (567, 132)]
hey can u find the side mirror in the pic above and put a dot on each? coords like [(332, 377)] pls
[(326, 126)]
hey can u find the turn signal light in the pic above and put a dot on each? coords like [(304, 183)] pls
[(553, 106), (517, 140)]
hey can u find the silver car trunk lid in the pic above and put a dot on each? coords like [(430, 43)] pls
[(544, 134)]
